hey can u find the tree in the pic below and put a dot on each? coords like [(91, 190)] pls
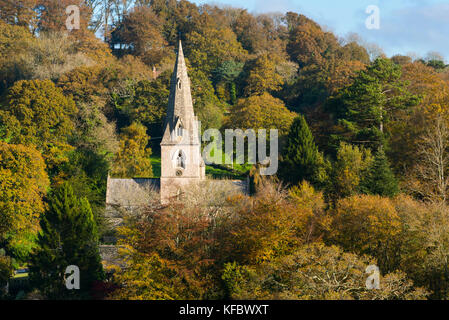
[(366, 106), (225, 78), (14, 39), (133, 158), (366, 224), (261, 112), (423, 250), (414, 124), (38, 114), (93, 132), (262, 75), (348, 171), (6, 270), (150, 102), (316, 272), (429, 177), (228, 71), (401, 60), (208, 108), (87, 84), (248, 31), (146, 102), (21, 13), (15, 43), (52, 15), (87, 171), (23, 184), (435, 60), (148, 277), (380, 178), (342, 73), (48, 56), (424, 164), (325, 64), (68, 237), (301, 159), (55, 53), (209, 47), (270, 224), (309, 44), (171, 249), (140, 32)]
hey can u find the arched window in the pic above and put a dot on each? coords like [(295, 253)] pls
[(180, 160), (179, 83)]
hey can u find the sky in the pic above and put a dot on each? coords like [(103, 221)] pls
[(414, 27)]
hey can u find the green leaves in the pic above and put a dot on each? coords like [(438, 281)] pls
[(380, 179), (301, 158), (69, 237), (366, 107), (39, 114)]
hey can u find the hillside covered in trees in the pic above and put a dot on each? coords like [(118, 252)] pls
[(364, 161)]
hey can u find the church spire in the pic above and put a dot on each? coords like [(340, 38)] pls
[(181, 161), (180, 107)]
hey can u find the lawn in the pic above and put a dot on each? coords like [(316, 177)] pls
[(20, 275), (156, 164)]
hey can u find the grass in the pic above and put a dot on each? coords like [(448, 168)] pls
[(156, 165), (20, 275)]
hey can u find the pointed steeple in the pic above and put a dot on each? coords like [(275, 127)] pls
[(180, 107), (181, 161)]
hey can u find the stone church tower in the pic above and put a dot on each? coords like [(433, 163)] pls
[(181, 161), (181, 164)]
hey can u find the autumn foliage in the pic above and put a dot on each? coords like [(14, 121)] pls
[(363, 147)]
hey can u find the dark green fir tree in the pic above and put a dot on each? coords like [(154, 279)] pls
[(68, 237), (380, 178), (301, 159)]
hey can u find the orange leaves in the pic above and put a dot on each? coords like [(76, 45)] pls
[(426, 82), (342, 74)]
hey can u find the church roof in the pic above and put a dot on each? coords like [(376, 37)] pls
[(131, 192), (180, 106)]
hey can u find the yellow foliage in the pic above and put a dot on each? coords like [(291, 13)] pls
[(263, 76), (133, 158), (261, 112), (23, 183), (366, 224)]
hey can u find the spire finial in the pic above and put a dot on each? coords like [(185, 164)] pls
[(179, 41), (180, 51)]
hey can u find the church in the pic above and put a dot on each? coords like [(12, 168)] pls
[(181, 161)]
